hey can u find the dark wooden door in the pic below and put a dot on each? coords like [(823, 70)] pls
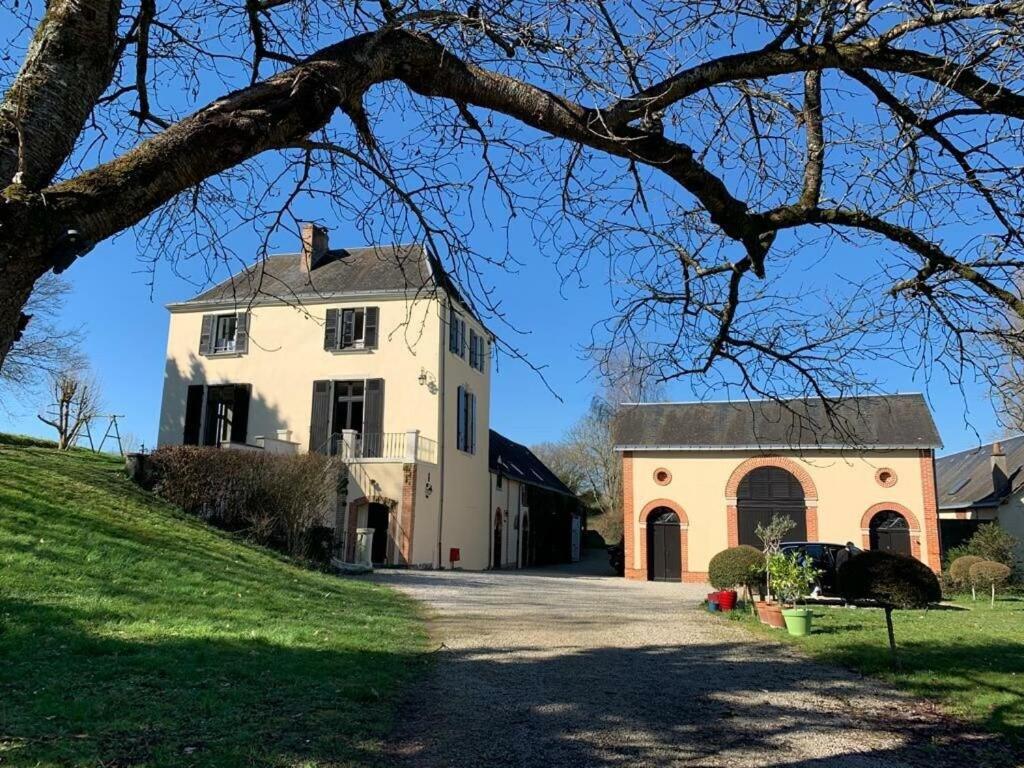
[(765, 492), (497, 545), (377, 518), (890, 532), (664, 556)]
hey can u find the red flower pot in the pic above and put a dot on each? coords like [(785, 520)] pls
[(727, 599)]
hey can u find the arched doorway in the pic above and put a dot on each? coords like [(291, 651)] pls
[(496, 555), (664, 555), (768, 491), (889, 531), (378, 517)]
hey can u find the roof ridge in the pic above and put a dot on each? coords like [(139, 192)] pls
[(773, 399)]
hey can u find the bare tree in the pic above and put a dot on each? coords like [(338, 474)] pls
[(75, 401), (44, 348), (586, 459), (710, 151)]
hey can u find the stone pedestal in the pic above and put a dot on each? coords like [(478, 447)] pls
[(364, 546)]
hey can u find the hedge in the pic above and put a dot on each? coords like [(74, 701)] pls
[(281, 501)]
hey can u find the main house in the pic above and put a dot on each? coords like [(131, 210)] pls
[(699, 477), (366, 353)]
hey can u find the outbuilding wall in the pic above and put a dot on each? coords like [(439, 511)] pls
[(841, 492)]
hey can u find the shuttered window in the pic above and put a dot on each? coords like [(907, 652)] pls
[(352, 328), (217, 415), (477, 351), (224, 334), (456, 333), (465, 420)]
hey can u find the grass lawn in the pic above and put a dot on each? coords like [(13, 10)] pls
[(965, 655), (133, 635)]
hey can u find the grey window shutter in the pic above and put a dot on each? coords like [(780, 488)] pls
[(331, 330), (370, 329), (206, 335), (242, 333), (373, 417), (193, 414), (472, 348), (453, 330), (320, 418), (240, 413), (471, 419)]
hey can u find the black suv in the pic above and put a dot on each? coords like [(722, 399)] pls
[(825, 557)]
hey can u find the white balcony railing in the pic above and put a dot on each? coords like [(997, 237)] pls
[(409, 447)]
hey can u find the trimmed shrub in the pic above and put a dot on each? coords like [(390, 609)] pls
[(960, 570), (989, 573), (736, 567), (894, 581), (993, 542), (278, 501)]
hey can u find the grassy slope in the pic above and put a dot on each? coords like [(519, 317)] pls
[(967, 656), (131, 634)]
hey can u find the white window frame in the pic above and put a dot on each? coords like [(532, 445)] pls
[(229, 344), (358, 342)]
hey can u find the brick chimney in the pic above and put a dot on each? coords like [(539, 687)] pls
[(314, 246), (1000, 478)]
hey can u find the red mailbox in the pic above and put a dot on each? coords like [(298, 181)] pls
[(453, 556)]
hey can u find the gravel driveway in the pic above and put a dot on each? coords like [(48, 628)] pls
[(549, 668)]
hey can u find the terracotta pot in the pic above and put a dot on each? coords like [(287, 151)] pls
[(762, 611), (771, 615)]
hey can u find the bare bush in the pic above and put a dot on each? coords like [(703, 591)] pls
[(278, 501)]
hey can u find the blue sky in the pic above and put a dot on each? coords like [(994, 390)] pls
[(124, 322)]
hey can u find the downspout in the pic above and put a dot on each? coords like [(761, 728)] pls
[(442, 443), (490, 519)]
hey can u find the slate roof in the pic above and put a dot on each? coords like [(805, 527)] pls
[(883, 421), (964, 479), (373, 269), (518, 462)]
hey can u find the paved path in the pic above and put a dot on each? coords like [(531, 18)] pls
[(545, 669)]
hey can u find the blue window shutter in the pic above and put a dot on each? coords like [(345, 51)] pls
[(460, 413)]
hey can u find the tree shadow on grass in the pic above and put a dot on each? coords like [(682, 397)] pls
[(69, 696), (695, 704)]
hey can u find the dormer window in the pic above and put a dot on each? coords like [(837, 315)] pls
[(224, 334)]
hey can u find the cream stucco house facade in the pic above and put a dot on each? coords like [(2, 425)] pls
[(698, 477), (368, 353)]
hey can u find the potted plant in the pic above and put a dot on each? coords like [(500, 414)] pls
[(791, 577), (734, 567), (771, 536)]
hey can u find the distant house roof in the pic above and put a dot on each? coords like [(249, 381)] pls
[(518, 462), (884, 421), (377, 269), (965, 479)]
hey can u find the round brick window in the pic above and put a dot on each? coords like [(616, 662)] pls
[(662, 476), (885, 477)]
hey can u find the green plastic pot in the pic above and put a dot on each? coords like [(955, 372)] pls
[(798, 621)]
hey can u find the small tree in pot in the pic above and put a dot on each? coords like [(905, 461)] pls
[(771, 536), (891, 581), (792, 577), (991, 574)]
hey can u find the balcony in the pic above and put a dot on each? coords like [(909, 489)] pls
[(407, 447)]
